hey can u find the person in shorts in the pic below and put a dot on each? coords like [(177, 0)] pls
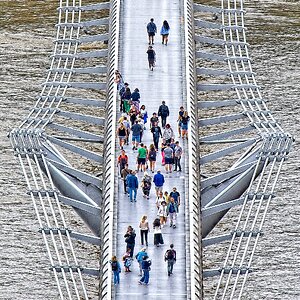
[(159, 181), (169, 155), (141, 158), (136, 129), (151, 30)]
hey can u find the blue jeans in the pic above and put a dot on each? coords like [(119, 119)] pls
[(132, 190), (145, 277), (116, 277)]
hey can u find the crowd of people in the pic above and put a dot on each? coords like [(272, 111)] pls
[(146, 171)]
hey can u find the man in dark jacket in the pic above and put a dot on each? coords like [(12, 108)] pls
[(156, 132), (132, 184), (163, 112), (130, 240)]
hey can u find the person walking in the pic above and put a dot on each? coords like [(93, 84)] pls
[(122, 135), (124, 173), (135, 99), (184, 125), (162, 213), (180, 114), (116, 268), (168, 134), (151, 30), (122, 161), (146, 185), (172, 210), (170, 257), (127, 126), (130, 239), (127, 260), (159, 181), (136, 129), (156, 133), (126, 96), (168, 154), (132, 184), (144, 114), (163, 112), (158, 238), (176, 196), (141, 158), (146, 263), (121, 92), (177, 156), (152, 157), (159, 199), (139, 257), (144, 230), (154, 119), (151, 57), (164, 31)]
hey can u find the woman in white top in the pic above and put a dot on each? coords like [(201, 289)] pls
[(162, 213), (144, 229), (158, 239)]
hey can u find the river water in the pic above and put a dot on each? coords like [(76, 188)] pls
[(27, 31)]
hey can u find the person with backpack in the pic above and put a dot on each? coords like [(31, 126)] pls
[(146, 263), (135, 99), (146, 185), (172, 210), (139, 257), (151, 30), (163, 112), (152, 157), (116, 268), (170, 257), (122, 161)]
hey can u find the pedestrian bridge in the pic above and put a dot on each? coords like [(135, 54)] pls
[(67, 147)]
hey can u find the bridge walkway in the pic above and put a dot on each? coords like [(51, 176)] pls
[(164, 83)]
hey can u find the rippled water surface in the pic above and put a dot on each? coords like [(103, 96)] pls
[(27, 31)]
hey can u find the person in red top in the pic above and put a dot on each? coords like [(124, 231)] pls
[(122, 160)]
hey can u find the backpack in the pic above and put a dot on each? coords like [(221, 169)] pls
[(169, 254), (114, 266), (152, 154), (148, 264)]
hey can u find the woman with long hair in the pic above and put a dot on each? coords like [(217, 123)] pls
[(165, 30), (158, 239)]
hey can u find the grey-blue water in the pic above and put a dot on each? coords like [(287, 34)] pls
[(26, 34)]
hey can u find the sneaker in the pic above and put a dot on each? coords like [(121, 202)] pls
[(140, 282), (131, 201), (174, 226), (171, 225), (135, 201)]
